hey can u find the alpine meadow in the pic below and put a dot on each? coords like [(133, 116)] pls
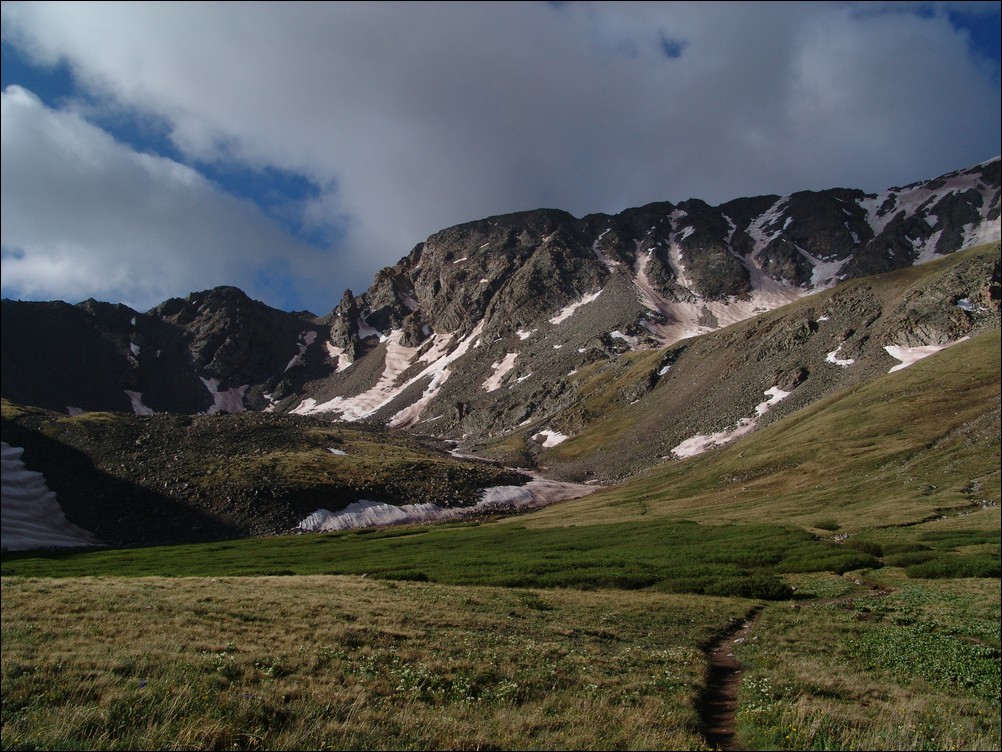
[(681, 477)]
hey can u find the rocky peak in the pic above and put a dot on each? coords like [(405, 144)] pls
[(481, 326)]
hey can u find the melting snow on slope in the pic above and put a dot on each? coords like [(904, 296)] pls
[(439, 372), (550, 438), (136, 398), (909, 355), (633, 342), (305, 340), (911, 199), (366, 330), (534, 494), (689, 319), (399, 358), (825, 273), (699, 444), (336, 354), (567, 311), (226, 401), (756, 230), (834, 359), (31, 515), (369, 514), (602, 255), (501, 368)]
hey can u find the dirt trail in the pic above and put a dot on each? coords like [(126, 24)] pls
[(718, 702)]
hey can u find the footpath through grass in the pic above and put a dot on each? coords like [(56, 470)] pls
[(321, 662), (348, 663)]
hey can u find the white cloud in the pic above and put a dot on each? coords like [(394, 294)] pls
[(418, 116), (85, 216)]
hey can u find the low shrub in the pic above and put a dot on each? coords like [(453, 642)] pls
[(956, 566), (867, 547)]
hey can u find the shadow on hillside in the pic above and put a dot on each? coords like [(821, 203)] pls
[(118, 511)]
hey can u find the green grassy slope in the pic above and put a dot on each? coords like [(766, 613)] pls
[(904, 447), (631, 412)]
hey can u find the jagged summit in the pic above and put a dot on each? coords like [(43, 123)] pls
[(481, 329)]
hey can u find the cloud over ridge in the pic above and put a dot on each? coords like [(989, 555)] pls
[(412, 117)]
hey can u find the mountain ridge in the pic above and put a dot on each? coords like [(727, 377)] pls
[(591, 349), (671, 272), (480, 329)]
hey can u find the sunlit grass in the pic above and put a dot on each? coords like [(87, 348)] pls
[(899, 449), (348, 663), (917, 669)]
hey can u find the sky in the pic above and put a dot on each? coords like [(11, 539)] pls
[(150, 150)]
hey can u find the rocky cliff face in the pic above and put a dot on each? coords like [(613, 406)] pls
[(479, 330), (482, 331)]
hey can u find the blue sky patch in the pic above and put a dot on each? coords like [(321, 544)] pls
[(672, 48)]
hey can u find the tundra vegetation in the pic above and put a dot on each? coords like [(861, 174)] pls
[(865, 528)]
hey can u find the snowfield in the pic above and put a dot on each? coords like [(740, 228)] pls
[(533, 495), (31, 515)]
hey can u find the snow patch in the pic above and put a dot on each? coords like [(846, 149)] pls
[(337, 355), (30, 515), (339, 452), (825, 273), (136, 398), (369, 514), (602, 256), (910, 355), (501, 368), (226, 401), (365, 330), (700, 443), (757, 231), (305, 340), (550, 438), (567, 311), (633, 342), (533, 495), (525, 334), (439, 372), (398, 359), (834, 359), (910, 199)]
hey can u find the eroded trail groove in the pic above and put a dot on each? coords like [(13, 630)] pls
[(718, 703)]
